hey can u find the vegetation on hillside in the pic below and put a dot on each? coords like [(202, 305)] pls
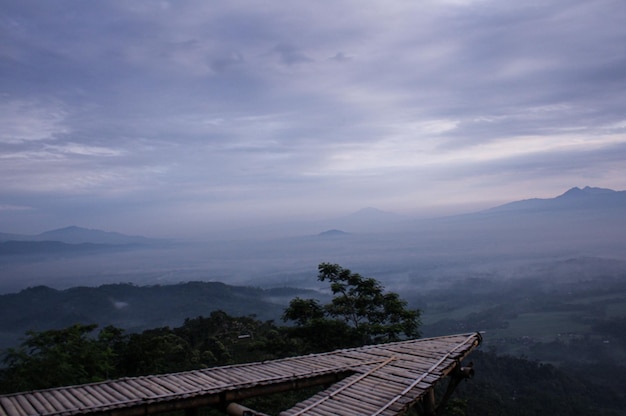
[(359, 312)]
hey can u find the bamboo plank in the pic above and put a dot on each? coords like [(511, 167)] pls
[(412, 356), (97, 394), (128, 387), (282, 373), (334, 408), (259, 375), (179, 382), (11, 408), (343, 402), (391, 382), (121, 389), (172, 389), (193, 381), (239, 379), (53, 401), (358, 396), (263, 374), (116, 396), (339, 360), (376, 395), (389, 376), (232, 378), (370, 386), (410, 350), (296, 368), (82, 397), (44, 402), (207, 380), (155, 388), (63, 401), (410, 377), (143, 392), (25, 405), (370, 356), (314, 408), (39, 407), (406, 367), (69, 396)]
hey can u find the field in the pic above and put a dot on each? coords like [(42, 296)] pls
[(557, 324)]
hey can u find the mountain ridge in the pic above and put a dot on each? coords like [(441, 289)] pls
[(573, 199), (78, 235), (132, 307), (366, 220)]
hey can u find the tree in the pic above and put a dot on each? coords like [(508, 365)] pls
[(157, 351), (303, 311), (62, 357), (360, 308)]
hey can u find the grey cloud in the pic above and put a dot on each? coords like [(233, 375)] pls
[(289, 54), (139, 103), (340, 57)]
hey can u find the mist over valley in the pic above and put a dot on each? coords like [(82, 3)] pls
[(404, 253), (543, 279)]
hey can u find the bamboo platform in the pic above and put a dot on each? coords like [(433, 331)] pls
[(376, 380)]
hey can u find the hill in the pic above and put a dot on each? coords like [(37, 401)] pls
[(79, 235), (574, 199), (333, 233), (131, 307)]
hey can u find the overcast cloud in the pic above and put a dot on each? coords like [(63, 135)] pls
[(167, 118)]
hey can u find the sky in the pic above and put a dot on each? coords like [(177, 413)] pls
[(174, 118)]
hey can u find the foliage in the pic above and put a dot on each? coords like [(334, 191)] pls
[(61, 357), (135, 308), (505, 385), (589, 379), (360, 312)]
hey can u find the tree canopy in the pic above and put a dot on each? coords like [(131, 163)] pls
[(360, 312)]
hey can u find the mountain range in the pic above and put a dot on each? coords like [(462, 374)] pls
[(79, 235), (585, 201), (587, 198), (133, 307), (587, 222)]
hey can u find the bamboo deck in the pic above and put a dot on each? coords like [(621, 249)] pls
[(373, 380)]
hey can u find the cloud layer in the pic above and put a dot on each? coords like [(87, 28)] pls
[(166, 118)]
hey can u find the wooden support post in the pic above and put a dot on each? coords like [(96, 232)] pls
[(458, 374), (429, 402)]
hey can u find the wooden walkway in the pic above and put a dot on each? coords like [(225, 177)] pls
[(381, 379)]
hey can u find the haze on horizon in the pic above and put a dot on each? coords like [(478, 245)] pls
[(178, 118)]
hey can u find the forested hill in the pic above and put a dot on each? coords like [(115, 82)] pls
[(134, 308)]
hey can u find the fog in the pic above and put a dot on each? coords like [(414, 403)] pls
[(403, 253)]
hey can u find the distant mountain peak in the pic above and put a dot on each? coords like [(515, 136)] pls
[(587, 190), (571, 192), (70, 228), (75, 235), (588, 198), (333, 233)]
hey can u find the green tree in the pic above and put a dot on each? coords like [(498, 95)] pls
[(62, 357), (360, 312), (158, 351)]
